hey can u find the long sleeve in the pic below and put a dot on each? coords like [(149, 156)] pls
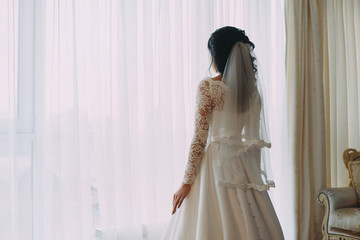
[(202, 119)]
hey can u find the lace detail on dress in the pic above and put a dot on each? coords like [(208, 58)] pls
[(202, 119), (243, 141), (210, 96), (218, 93), (247, 186)]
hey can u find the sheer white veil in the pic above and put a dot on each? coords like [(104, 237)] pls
[(241, 127)]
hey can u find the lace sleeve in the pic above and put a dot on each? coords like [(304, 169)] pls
[(202, 118)]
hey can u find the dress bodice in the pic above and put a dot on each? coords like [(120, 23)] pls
[(210, 100)]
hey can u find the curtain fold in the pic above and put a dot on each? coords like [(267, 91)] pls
[(343, 23), (98, 110), (305, 63), (322, 62)]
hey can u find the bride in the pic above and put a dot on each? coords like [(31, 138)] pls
[(224, 190)]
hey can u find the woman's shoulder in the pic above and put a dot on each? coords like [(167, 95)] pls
[(204, 82), (209, 85), (210, 81)]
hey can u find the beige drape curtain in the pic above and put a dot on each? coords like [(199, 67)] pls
[(323, 83), (306, 71), (343, 108)]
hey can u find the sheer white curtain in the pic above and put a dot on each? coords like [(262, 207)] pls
[(97, 102), (343, 21)]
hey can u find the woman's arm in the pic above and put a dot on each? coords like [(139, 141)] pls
[(202, 119)]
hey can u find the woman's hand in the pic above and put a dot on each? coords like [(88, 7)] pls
[(180, 195)]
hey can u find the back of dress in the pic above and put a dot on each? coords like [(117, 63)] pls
[(230, 114), (238, 138), (238, 124)]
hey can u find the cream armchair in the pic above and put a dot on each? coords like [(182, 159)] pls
[(342, 205)]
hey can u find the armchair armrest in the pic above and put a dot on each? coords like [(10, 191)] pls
[(339, 197), (333, 199)]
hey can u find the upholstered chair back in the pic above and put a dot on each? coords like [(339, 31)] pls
[(352, 163)]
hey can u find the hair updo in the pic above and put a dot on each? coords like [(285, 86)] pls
[(221, 42)]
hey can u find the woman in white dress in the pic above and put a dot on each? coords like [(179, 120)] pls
[(224, 190)]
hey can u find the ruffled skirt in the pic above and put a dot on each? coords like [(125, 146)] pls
[(214, 212)]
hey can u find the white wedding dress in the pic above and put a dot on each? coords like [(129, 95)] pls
[(218, 207)]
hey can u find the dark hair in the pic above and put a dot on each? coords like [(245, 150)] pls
[(221, 42)]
